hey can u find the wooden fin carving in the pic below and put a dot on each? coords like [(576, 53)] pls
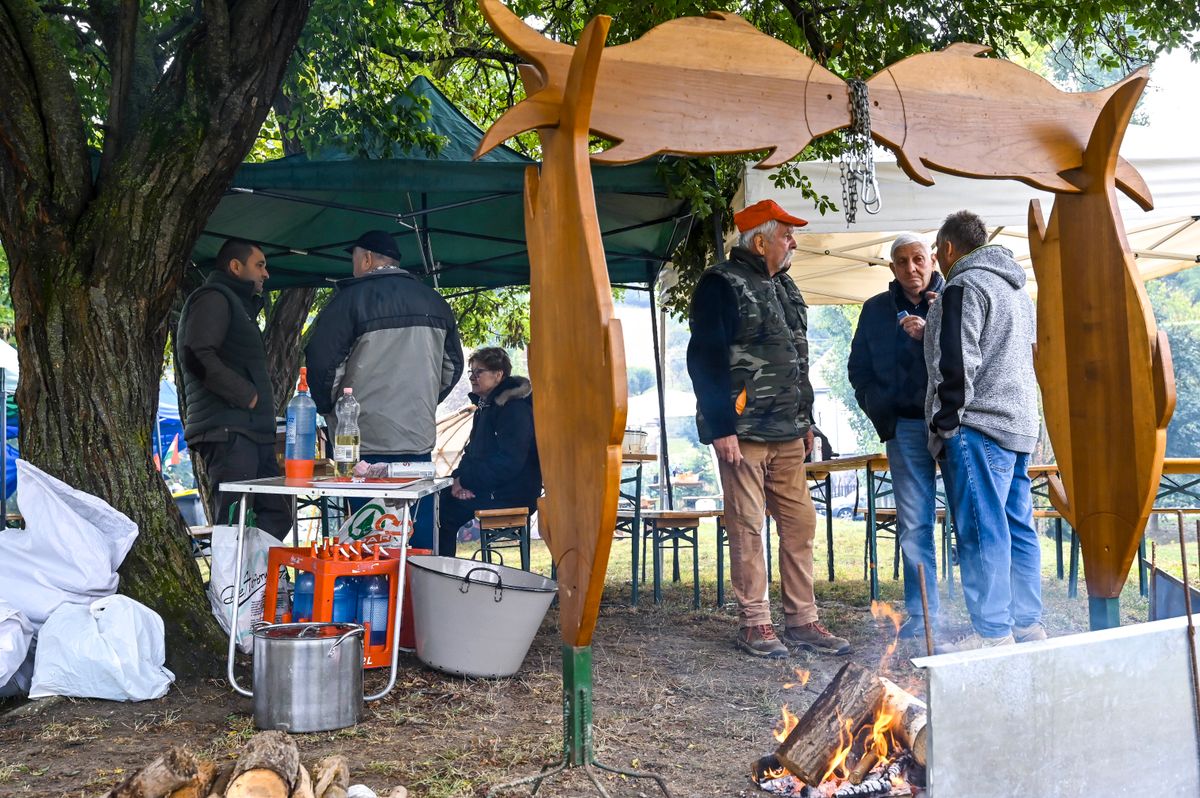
[(1105, 386), (579, 380)]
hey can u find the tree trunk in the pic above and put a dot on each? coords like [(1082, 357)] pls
[(285, 327), (96, 258)]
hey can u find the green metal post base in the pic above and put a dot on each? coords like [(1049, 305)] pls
[(577, 731), (1104, 613)]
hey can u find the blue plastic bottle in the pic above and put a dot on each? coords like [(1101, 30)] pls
[(302, 596), (301, 449), (345, 599), (373, 607)]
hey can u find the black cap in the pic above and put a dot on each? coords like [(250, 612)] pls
[(376, 241)]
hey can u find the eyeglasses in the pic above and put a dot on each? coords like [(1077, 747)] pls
[(477, 372)]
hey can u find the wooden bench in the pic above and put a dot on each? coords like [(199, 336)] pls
[(680, 529)]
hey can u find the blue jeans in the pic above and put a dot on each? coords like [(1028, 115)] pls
[(987, 488), (914, 485)]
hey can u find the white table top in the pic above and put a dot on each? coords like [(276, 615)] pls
[(326, 487)]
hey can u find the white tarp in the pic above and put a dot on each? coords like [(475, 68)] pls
[(840, 264)]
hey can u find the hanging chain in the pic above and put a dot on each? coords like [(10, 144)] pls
[(858, 160)]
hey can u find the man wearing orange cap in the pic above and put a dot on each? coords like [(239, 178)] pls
[(748, 360)]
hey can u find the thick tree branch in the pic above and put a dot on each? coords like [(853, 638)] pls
[(43, 158), (475, 52)]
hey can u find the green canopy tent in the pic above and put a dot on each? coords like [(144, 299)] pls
[(458, 223)]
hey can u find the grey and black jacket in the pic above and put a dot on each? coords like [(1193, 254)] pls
[(979, 339), (394, 340)]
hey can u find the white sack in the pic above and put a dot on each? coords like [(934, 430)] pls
[(113, 649), (253, 579), (70, 550), (15, 633)]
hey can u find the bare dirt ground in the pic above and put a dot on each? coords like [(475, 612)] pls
[(672, 696)]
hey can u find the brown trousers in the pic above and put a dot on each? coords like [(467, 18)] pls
[(770, 477)]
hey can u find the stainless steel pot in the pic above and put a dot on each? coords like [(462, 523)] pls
[(308, 677)]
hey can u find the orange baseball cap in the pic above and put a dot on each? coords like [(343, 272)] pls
[(764, 211)]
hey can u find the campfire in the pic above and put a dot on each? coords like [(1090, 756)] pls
[(863, 736)]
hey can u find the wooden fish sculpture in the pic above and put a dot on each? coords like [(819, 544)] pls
[(577, 354), (957, 112), (692, 86), (1108, 388)]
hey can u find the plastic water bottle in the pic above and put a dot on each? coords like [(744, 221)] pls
[(345, 599), (301, 450), (373, 607), (302, 596), (346, 439)]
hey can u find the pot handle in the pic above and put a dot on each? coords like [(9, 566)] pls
[(466, 583), (357, 630)]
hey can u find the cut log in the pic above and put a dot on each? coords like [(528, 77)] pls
[(398, 792), (268, 767), (198, 787), (304, 787), (331, 777), (849, 701), (220, 781), (174, 769), (910, 717)]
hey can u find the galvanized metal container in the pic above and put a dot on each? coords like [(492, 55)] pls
[(308, 677), (476, 619)]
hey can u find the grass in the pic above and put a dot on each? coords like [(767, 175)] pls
[(849, 588)]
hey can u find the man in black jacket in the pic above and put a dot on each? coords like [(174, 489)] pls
[(499, 466), (887, 370), (230, 406)]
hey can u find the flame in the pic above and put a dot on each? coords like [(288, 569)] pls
[(787, 722), (881, 610), (802, 675), (774, 773), (837, 765), (882, 741)]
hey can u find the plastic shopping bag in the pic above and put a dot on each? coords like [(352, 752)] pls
[(113, 649), (377, 521), (253, 579), (69, 551), (15, 634)]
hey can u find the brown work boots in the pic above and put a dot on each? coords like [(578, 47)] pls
[(761, 641), (815, 637)]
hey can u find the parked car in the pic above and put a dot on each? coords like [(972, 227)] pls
[(843, 507)]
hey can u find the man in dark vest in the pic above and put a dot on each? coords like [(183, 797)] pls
[(887, 370), (748, 360), (230, 406)]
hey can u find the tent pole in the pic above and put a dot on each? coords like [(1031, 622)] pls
[(664, 459)]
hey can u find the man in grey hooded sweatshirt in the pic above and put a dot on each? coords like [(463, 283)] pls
[(981, 406)]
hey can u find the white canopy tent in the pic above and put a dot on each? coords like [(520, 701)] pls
[(836, 263)]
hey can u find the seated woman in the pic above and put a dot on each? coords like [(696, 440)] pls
[(499, 466)]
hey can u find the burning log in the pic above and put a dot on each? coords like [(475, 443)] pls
[(910, 717), (849, 701)]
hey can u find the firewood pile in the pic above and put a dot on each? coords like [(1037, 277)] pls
[(268, 767)]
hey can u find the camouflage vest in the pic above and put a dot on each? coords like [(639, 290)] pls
[(769, 353)]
